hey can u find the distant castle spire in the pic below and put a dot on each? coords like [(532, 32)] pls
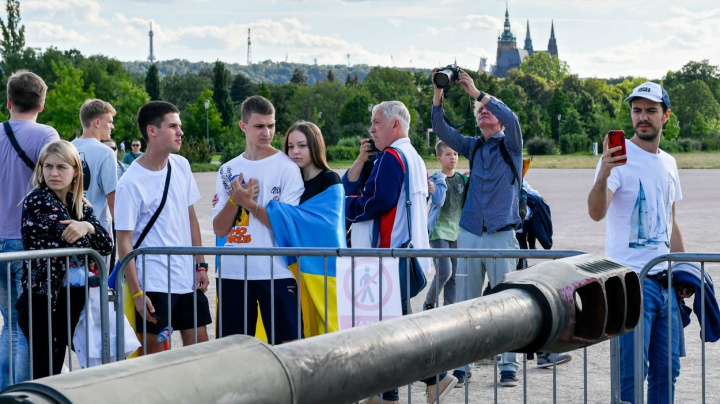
[(151, 56), (552, 44), (528, 40)]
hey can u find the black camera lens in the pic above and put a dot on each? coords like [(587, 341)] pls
[(442, 78)]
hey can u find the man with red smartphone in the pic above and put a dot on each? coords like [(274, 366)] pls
[(636, 190)]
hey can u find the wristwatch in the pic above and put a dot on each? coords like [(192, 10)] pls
[(201, 266)]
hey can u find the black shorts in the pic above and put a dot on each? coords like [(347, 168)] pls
[(178, 315), (231, 298)]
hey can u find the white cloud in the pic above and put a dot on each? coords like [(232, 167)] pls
[(78, 11), (55, 33)]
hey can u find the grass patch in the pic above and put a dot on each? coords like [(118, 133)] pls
[(697, 160), (204, 167)]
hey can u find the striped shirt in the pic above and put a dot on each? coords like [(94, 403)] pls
[(492, 201)]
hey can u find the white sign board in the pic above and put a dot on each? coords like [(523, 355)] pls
[(367, 296)]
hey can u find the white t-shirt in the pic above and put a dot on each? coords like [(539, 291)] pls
[(99, 177), (639, 218), (279, 179), (138, 196)]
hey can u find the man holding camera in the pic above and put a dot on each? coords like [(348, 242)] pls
[(491, 212), (376, 204)]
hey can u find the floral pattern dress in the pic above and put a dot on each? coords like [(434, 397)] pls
[(41, 229)]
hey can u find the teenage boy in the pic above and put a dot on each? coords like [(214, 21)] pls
[(98, 161), (278, 178), (25, 100), (139, 195)]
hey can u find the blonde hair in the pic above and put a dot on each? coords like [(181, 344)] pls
[(67, 152)]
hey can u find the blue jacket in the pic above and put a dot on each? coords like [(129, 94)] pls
[(689, 272)]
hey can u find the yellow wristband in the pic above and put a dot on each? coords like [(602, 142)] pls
[(230, 199), (138, 294)]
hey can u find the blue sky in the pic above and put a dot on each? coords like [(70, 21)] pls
[(607, 38)]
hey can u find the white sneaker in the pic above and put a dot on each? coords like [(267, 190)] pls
[(446, 384)]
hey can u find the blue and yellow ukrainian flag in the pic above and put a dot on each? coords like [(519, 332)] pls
[(318, 222)]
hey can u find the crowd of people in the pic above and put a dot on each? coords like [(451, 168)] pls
[(79, 194)]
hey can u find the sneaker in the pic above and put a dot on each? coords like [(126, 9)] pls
[(428, 306), (545, 360), (508, 378), (446, 384), (460, 376)]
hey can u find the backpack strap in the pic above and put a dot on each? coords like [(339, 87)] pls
[(376, 224), (21, 153), (157, 212), (506, 156)]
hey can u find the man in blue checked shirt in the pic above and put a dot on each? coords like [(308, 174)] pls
[(490, 215)]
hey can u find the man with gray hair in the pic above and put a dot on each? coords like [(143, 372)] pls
[(376, 203)]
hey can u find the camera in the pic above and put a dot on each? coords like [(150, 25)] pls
[(445, 75), (373, 148)]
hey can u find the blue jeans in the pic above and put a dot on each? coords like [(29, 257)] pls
[(444, 279), (11, 338), (657, 358), (471, 275)]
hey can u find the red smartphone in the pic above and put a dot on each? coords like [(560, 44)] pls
[(617, 138)]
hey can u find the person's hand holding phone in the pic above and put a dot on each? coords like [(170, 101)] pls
[(614, 152)]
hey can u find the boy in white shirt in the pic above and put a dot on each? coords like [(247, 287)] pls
[(278, 178)]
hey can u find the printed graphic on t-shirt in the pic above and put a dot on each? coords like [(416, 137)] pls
[(238, 234), (650, 222)]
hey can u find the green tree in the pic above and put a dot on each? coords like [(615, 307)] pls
[(241, 88), (221, 92), (330, 76), (183, 90), (199, 124), (543, 65), (558, 105), (152, 83), (62, 103), (13, 37), (264, 91), (696, 109), (129, 97), (299, 77)]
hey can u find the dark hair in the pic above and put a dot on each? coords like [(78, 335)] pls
[(255, 104), (315, 142), (153, 113), (26, 91)]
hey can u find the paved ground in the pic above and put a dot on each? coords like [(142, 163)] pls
[(566, 193)]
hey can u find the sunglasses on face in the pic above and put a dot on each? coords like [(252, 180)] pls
[(136, 145)]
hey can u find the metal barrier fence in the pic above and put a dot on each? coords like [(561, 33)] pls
[(639, 331), (389, 253), (380, 254), (100, 281)]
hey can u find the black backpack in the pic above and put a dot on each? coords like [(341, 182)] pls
[(522, 194)]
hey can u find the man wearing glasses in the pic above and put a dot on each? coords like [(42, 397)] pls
[(134, 153)]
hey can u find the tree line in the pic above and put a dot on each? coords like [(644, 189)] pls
[(558, 111)]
